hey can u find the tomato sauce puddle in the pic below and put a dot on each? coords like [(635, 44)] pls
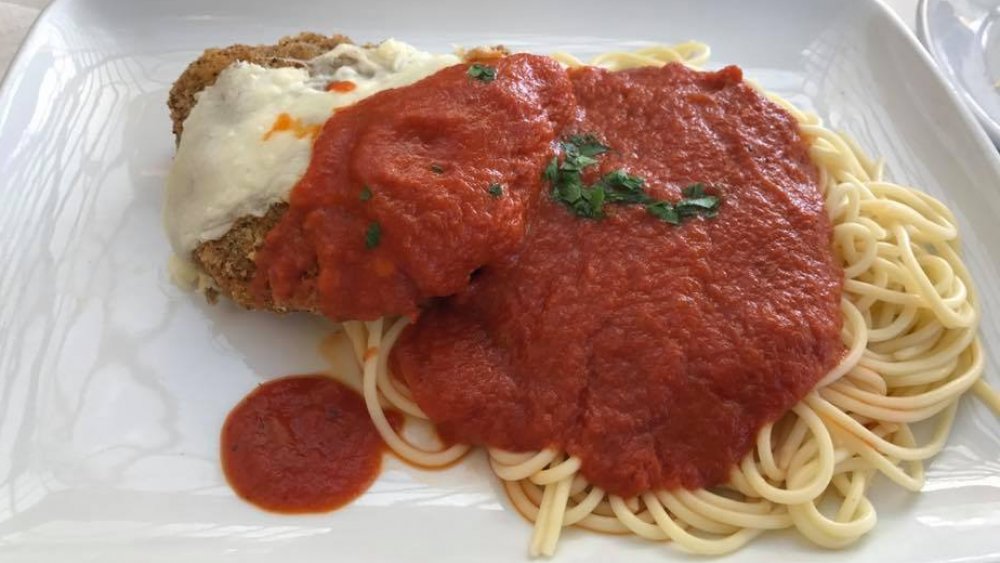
[(653, 352), (301, 444)]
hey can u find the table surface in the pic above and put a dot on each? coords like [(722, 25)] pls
[(16, 17)]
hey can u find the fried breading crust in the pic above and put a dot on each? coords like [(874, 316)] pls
[(291, 51), (229, 260)]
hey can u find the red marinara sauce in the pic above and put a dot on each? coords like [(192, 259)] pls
[(301, 444), (653, 352), (397, 203)]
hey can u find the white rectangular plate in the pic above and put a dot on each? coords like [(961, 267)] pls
[(114, 384)]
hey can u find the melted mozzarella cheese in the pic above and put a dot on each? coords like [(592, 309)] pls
[(248, 139)]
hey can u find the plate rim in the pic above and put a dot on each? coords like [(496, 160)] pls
[(990, 159), (970, 111), (990, 126)]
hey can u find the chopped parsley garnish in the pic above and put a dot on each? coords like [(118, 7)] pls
[(495, 190), (482, 72), (586, 145), (697, 202), (373, 236), (617, 186), (665, 212), (436, 168), (366, 194)]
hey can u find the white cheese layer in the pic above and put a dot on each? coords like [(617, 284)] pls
[(228, 165)]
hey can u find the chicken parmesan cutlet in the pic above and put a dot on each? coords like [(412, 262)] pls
[(244, 118), (226, 263)]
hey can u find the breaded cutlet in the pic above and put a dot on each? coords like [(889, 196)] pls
[(291, 51), (229, 260)]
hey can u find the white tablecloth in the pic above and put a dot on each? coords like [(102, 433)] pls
[(16, 16)]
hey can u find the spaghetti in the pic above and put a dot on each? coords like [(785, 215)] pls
[(910, 331)]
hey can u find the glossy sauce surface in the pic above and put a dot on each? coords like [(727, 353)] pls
[(415, 164), (651, 351), (301, 444)]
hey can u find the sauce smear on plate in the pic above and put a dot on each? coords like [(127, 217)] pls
[(301, 444)]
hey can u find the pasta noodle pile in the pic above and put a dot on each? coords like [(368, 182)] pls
[(910, 330)]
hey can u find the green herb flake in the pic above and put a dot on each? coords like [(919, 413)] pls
[(373, 236), (551, 172), (621, 179), (587, 144), (694, 191), (594, 197), (437, 168), (577, 162), (709, 202), (482, 72), (616, 187), (697, 202), (366, 194), (664, 211), (570, 190), (622, 187), (495, 191), (566, 178)]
